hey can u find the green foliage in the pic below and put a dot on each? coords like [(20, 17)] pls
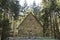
[(7, 5), (4, 4), (10, 5), (48, 15), (58, 5), (14, 8)]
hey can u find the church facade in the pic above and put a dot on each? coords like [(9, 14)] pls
[(30, 27)]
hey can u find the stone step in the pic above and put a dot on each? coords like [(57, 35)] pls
[(19, 38)]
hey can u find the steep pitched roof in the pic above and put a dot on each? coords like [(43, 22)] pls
[(30, 27), (33, 16)]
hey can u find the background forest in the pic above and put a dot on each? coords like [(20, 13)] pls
[(48, 13)]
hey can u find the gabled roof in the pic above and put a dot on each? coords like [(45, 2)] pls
[(33, 16)]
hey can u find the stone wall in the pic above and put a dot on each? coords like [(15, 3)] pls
[(30, 27)]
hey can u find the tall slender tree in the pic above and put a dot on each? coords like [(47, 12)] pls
[(7, 6), (50, 11)]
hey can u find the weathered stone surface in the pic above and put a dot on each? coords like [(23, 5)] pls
[(30, 27)]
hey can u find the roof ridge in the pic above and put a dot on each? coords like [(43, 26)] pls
[(27, 16)]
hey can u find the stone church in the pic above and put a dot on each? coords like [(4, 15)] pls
[(30, 27)]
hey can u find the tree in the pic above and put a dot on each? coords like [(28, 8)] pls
[(25, 7), (15, 8), (34, 7), (7, 5), (36, 10), (50, 14)]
